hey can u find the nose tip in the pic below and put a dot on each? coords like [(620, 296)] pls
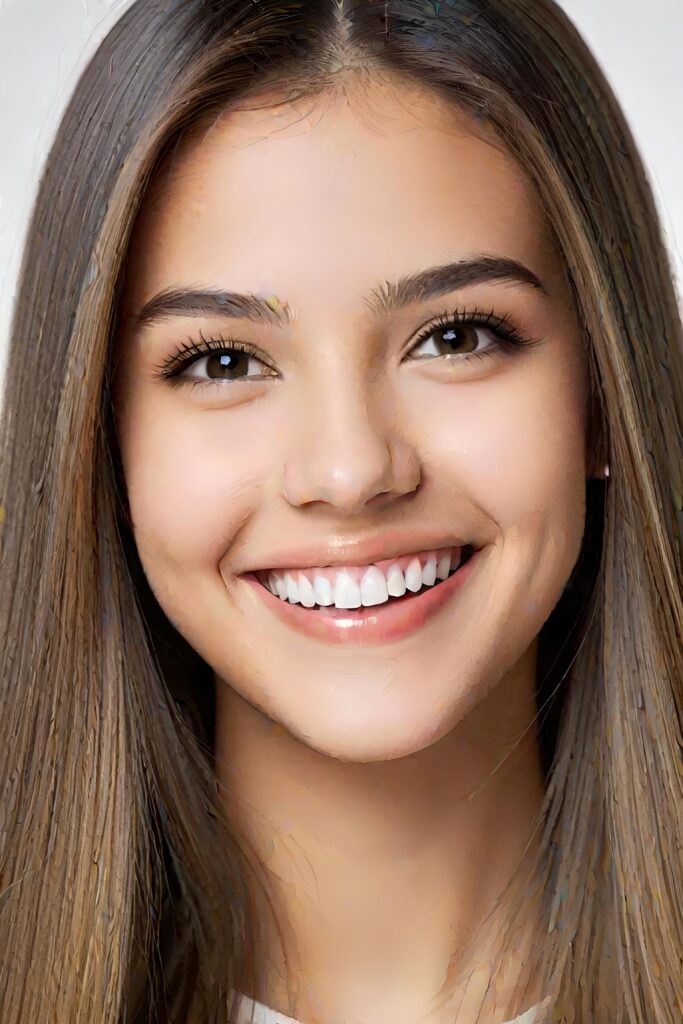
[(350, 485)]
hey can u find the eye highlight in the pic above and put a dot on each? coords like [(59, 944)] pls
[(455, 328)]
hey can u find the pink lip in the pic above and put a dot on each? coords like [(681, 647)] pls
[(363, 626)]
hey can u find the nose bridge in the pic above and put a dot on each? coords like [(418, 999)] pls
[(345, 449)]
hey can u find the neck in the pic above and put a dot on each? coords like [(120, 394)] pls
[(379, 873)]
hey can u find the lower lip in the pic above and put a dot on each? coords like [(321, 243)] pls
[(363, 626)]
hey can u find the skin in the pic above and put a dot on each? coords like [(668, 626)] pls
[(387, 792)]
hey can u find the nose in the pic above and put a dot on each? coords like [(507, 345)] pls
[(348, 451)]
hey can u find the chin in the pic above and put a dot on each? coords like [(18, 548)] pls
[(381, 731)]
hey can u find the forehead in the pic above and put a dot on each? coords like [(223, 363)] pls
[(324, 194)]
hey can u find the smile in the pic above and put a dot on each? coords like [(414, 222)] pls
[(365, 604), (364, 586)]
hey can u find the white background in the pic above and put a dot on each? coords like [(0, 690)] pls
[(45, 44)]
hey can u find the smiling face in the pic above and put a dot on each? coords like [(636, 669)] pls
[(364, 415)]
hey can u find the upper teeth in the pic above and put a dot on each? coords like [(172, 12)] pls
[(349, 588)]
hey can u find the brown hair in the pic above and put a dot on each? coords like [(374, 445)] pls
[(123, 895)]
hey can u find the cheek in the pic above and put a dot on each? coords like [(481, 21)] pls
[(192, 480), (515, 441), (514, 446)]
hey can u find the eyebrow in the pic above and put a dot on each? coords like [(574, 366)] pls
[(385, 298)]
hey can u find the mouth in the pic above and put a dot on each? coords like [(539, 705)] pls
[(388, 616), (396, 580)]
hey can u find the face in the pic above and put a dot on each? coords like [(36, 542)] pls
[(378, 411)]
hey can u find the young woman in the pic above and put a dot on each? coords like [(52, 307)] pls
[(341, 532)]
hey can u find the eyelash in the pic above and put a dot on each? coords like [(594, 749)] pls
[(508, 340)]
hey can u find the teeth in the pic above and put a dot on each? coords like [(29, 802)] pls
[(346, 592), (280, 589), (429, 571), (414, 575), (374, 588), (396, 584), (306, 595), (292, 589), (322, 588), (443, 567)]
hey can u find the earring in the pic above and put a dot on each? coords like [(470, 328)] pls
[(605, 471)]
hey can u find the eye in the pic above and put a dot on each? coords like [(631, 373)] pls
[(229, 363), (455, 340), (461, 336), (213, 360)]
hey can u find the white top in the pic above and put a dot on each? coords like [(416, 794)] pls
[(264, 1015)]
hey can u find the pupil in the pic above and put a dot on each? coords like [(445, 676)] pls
[(225, 362), (453, 336)]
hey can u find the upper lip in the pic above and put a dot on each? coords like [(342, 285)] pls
[(338, 551)]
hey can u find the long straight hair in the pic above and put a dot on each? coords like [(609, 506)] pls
[(124, 895)]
